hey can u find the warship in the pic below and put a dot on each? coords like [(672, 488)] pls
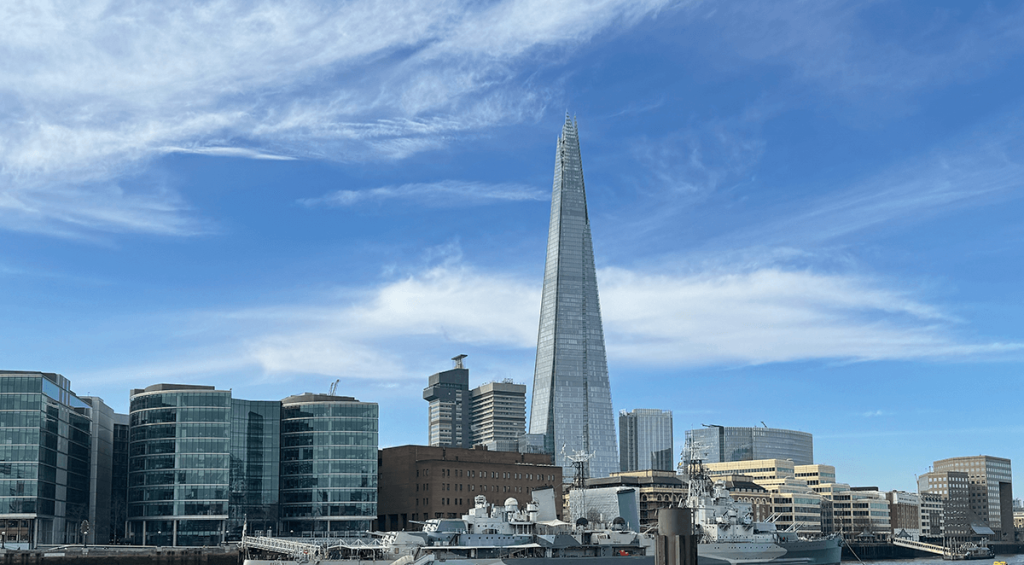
[(507, 534)]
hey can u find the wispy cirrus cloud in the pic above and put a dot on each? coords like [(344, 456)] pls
[(93, 91), (444, 193)]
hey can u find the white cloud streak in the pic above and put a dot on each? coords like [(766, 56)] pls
[(93, 90), (444, 193), (651, 319)]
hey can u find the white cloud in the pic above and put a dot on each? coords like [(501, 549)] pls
[(770, 315), (92, 91), (444, 193), (651, 319)]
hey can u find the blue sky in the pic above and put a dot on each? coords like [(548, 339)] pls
[(804, 213)]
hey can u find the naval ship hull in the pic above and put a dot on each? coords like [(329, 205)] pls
[(803, 552)]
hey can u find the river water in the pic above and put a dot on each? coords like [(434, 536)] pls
[(1010, 560)]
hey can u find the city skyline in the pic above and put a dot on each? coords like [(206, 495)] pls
[(802, 215)]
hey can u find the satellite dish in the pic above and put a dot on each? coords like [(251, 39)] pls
[(582, 522)]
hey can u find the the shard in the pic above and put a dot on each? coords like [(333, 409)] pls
[(572, 404)]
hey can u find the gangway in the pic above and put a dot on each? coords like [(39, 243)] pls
[(921, 546), (295, 549), (956, 553)]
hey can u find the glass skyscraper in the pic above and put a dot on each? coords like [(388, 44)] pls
[(719, 444), (572, 405), (645, 440)]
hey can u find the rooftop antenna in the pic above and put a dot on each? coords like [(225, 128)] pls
[(764, 424), (333, 388), (458, 360)]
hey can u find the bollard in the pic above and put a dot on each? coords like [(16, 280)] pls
[(676, 544)]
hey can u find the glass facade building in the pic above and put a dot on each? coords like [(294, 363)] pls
[(255, 460), (645, 440), (328, 464), (572, 405), (45, 459), (178, 465), (719, 444)]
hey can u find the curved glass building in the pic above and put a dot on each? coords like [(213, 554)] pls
[(328, 464), (178, 465), (720, 444)]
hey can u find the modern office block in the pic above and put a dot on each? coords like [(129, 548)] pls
[(572, 405), (254, 465), (449, 412), (202, 463), (119, 480), (645, 440), (720, 444), (953, 487), (328, 464), (498, 415), (990, 491), (101, 468), (45, 459), (178, 465)]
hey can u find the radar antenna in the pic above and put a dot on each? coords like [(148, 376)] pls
[(579, 459), (699, 482)]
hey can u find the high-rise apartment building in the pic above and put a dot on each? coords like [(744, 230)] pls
[(720, 444), (572, 404), (498, 415), (645, 440), (449, 411), (990, 490)]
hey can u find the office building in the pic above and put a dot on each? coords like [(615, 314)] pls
[(904, 514), (101, 468), (952, 486), (645, 440), (720, 444), (201, 463), (418, 483), (328, 464), (119, 480), (254, 463), (498, 415), (871, 513), (46, 460), (931, 516), (794, 503), (990, 491), (815, 474), (449, 411), (572, 404), (178, 465)]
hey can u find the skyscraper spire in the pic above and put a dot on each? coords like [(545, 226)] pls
[(572, 405)]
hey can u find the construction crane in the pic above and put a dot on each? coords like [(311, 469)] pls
[(334, 387)]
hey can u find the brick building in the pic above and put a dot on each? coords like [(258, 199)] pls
[(417, 483)]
